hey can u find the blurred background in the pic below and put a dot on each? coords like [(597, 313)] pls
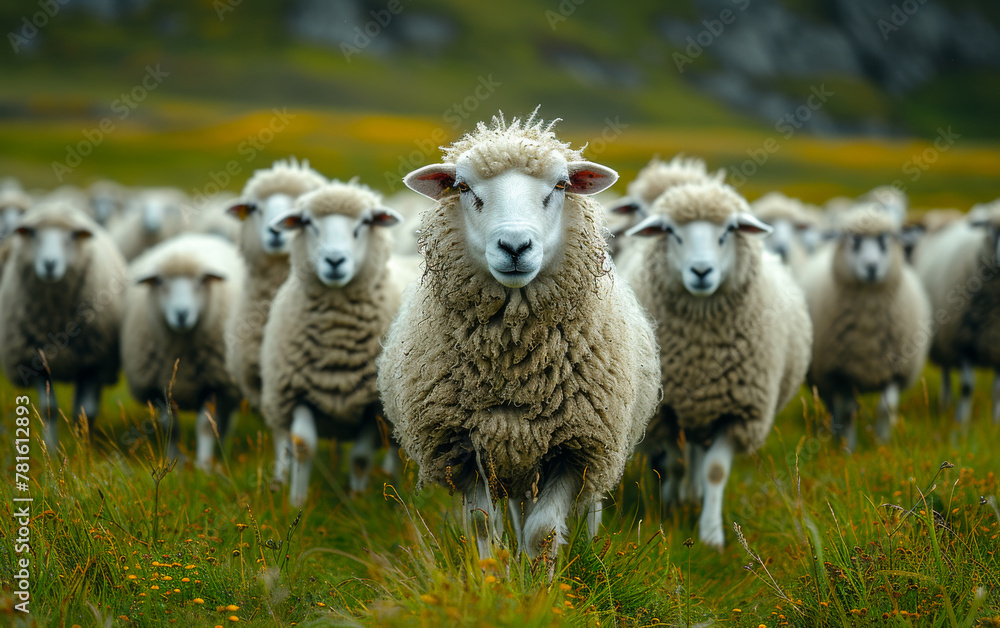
[(816, 98)]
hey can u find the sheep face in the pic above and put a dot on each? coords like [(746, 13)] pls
[(155, 211), (868, 257), (782, 239), (336, 245), (702, 253), (104, 206), (513, 221), (992, 229), (180, 299), (9, 217), (53, 250), (259, 217)]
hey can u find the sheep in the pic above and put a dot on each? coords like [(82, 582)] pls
[(13, 204), (323, 333), (888, 198), (211, 215), (786, 216), (154, 215), (107, 200), (958, 266), (734, 337), (870, 317), (181, 293), (61, 294), (650, 182), (520, 365), (930, 221), (269, 193)]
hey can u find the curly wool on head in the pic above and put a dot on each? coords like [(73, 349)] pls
[(658, 176)]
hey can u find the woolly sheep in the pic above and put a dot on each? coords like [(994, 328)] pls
[(870, 318), (734, 337), (786, 216), (650, 183), (13, 205), (323, 334), (61, 293), (211, 216), (181, 293), (153, 215), (268, 194), (959, 267), (520, 366), (107, 200), (888, 198)]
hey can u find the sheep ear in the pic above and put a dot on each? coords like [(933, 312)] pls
[(385, 217), (748, 223), (980, 223), (433, 181), (652, 226), (242, 210), (288, 222), (626, 205), (148, 280), (25, 231), (210, 277), (586, 177), (82, 234)]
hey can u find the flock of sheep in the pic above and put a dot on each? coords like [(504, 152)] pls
[(527, 350)]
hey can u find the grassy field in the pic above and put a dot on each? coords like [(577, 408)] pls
[(904, 535)]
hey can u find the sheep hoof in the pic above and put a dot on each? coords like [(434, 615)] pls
[(713, 537)]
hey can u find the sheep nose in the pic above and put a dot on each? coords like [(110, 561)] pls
[(782, 252), (334, 262), (50, 266), (182, 316), (872, 270), (514, 250), (701, 270)]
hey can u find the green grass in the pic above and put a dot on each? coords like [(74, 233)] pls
[(890, 536)]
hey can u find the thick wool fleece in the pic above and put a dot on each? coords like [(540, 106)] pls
[(127, 230), (777, 206), (150, 348), (961, 273), (562, 371), (82, 313), (732, 360), (659, 176), (866, 335), (320, 342), (265, 274)]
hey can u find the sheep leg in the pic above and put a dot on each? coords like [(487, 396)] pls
[(304, 439), (996, 396), (842, 421), (363, 455), (697, 457), (548, 516), (212, 428), (483, 513), (888, 413), (390, 464), (673, 474), (967, 379), (282, 458), (715, 470), (594, 517), (87, 399), (517, 514), (945, 388), (46, 406)]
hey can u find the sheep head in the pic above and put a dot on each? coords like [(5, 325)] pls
[(181, 295), (333, 230), (869, 247), (702, 225), (55, 238), (513, 220)]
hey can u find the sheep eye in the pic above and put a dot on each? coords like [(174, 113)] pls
[(562, 185), (462, 186)]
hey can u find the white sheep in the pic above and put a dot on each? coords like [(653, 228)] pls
[(871, 320), (152, 216), (268, 194), (107, 200), (888, 198), (734, 337), (211, 215), (787, 217), (649, 184), (14, 202), (62, 294), (520, 366), (323, 333), (958, 265), (181, 293)]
